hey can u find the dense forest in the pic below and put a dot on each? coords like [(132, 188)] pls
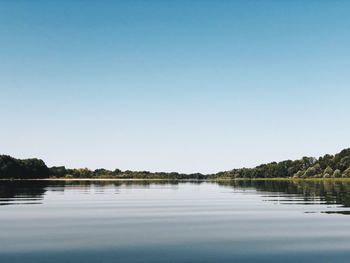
[(328, 166), (12, 168), (17, 169)]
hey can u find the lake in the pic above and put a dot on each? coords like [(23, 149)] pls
[(162, 221)]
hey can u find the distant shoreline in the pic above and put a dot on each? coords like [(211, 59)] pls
[(179, 180), (327, 167), (101, 179)]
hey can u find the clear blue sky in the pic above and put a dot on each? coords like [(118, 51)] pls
[(173, 85)]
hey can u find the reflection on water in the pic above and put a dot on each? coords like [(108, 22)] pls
[(281, 192), (301, 192), (15, 192), (171, 221), (21, 192)]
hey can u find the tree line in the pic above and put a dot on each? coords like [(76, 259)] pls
[(328, 166), (12, 168), (21, 169)]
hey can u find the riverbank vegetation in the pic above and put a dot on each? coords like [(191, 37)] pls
[(327, 166)]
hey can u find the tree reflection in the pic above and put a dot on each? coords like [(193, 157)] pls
[(22, 192), (326, 191), (14, 192), (311, 192)]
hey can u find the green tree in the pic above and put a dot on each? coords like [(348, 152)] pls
[(328, 170), (310, 172), (346, 173), (337, 173)]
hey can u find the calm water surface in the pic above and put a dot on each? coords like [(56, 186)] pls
[(241, 221)]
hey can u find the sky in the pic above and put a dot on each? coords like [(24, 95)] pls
[(182, 85)]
